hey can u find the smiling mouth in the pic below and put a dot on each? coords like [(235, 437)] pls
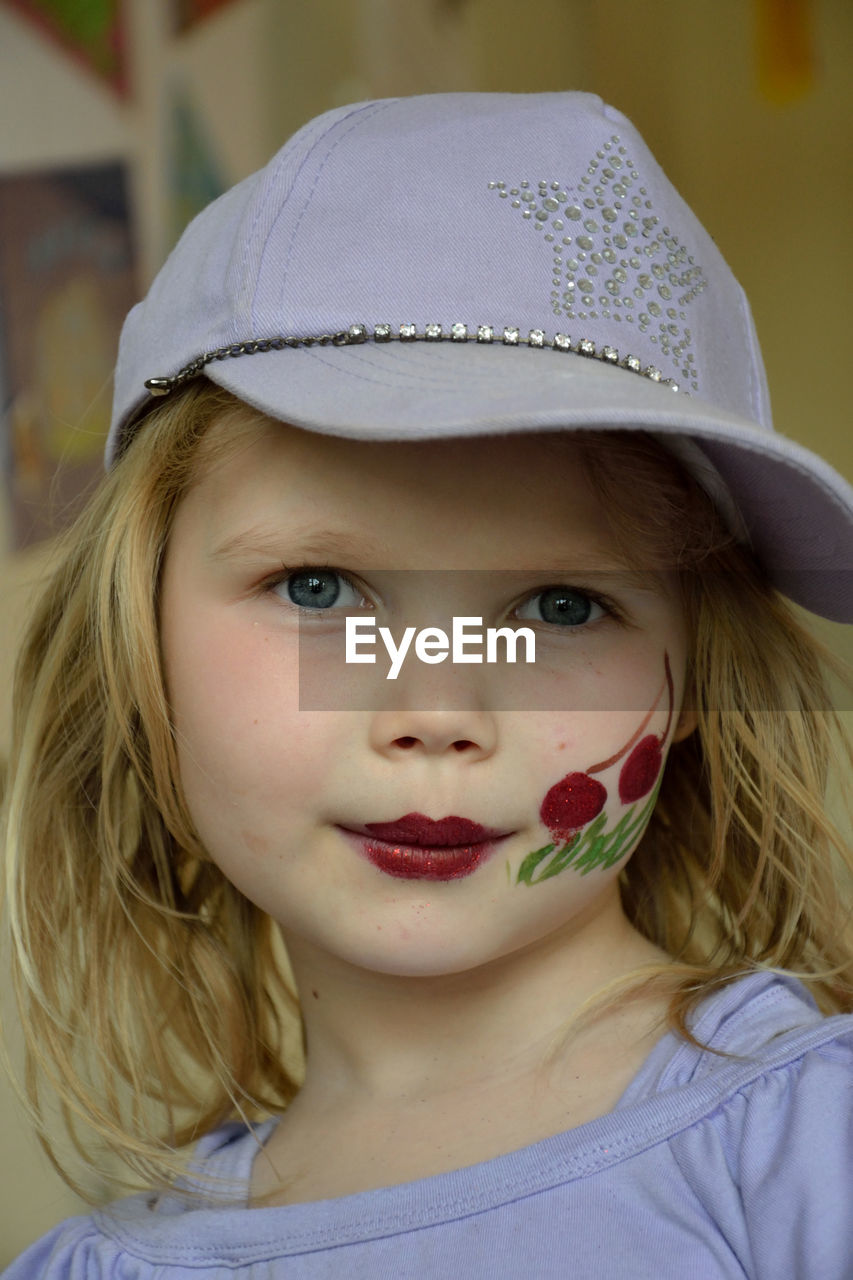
[(419, 848)]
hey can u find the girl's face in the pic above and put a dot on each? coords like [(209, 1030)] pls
[(433, 823)]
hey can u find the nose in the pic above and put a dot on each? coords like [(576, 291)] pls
[(471, 734)]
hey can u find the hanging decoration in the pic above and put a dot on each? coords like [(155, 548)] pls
[(188, 12), (94, 32), (785, 47)]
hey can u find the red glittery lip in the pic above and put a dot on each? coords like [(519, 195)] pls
[(422, 862), (417, 829)]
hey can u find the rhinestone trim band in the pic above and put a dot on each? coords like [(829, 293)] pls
[(359, 333)]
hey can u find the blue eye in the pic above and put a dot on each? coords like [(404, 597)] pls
[(562, 607), (317, 588)]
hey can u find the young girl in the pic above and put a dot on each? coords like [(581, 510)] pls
[(430, 619)]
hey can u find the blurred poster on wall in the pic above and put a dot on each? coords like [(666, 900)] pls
[(67, 280), (92, 31), (195, 175), (188, 12)]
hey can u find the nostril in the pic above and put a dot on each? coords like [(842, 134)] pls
[(406, 742), (463, 744)]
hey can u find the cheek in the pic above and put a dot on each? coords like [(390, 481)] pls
[(589, 827), (596, 815), (234, 700)]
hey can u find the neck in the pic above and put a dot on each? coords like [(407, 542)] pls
[(383, 1039)]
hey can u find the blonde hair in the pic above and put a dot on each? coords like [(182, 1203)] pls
[(741, 867), (152, 996)]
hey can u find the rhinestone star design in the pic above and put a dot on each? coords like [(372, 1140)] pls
[(609, 256)]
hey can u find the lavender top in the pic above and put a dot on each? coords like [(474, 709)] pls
[(709, 1167)]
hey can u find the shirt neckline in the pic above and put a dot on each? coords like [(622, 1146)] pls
[(642, 1118)]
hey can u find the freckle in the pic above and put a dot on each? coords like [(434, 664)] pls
[(561, 747), (257, 843), (315, 994)]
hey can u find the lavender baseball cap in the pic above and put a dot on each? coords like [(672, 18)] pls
[(470, 264)]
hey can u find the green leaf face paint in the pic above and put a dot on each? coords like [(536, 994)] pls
[(590, 848), (573, 808)]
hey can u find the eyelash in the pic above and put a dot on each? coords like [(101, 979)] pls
[(269, 585), (609, 607)]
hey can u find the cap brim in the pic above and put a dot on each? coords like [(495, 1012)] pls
[(798, 511)]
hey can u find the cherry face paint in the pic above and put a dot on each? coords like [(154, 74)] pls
[(578, 799), (640, 770), (571, 803)]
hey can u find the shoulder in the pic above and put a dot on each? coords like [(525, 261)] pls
[(139, 1237), (113, 1243), (785, 1104), (772, 1068), (71, 1250), (770, 1146)]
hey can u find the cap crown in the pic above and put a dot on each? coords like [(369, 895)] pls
[(536, 212)]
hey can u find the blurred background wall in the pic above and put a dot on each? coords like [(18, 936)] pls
[(119, 124)]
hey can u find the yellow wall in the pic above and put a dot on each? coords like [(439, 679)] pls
[(772, 182)]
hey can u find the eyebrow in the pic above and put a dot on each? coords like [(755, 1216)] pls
[(341, 546), (272, 539), (619, 577)]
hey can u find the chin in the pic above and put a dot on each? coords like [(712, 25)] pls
[(403, 954)]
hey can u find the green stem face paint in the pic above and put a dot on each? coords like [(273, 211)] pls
[(573, 808)]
